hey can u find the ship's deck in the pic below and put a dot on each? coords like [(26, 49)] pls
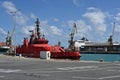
[(15, 68)]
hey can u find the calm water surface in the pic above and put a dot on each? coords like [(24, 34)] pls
[(97, 57)]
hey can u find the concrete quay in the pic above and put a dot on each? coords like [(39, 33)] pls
[(19, 68)]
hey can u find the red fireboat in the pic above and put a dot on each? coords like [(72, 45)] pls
[(37, 43)]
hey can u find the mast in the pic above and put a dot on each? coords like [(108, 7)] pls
[(38, 28)]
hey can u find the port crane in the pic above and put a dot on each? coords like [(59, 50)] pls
[(110, 40), (71, 41), (13, 35), (113, 29)]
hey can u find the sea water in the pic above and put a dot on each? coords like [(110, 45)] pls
[(2, 52), (101, 57)]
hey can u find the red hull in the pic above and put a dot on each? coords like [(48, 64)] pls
[(56, 51)]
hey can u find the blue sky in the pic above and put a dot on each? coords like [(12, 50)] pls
[(94, 19)]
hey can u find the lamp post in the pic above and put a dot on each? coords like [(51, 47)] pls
[(14, 13)]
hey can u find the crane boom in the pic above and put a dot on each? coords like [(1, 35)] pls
[(113, 29)]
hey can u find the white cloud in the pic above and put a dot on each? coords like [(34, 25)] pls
[(77, 2), (56, 19), (2, 31), (117, 27), (117, 24), (55, 30), (117, 17), (92, 9), (11, 9), (25, 30), (46, 29), (97, 18), (9, 6), (33, 16), (21, 20), (49, 30), (82, 28), (116, 32)]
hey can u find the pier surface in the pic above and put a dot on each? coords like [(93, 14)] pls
[(15, 68)]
